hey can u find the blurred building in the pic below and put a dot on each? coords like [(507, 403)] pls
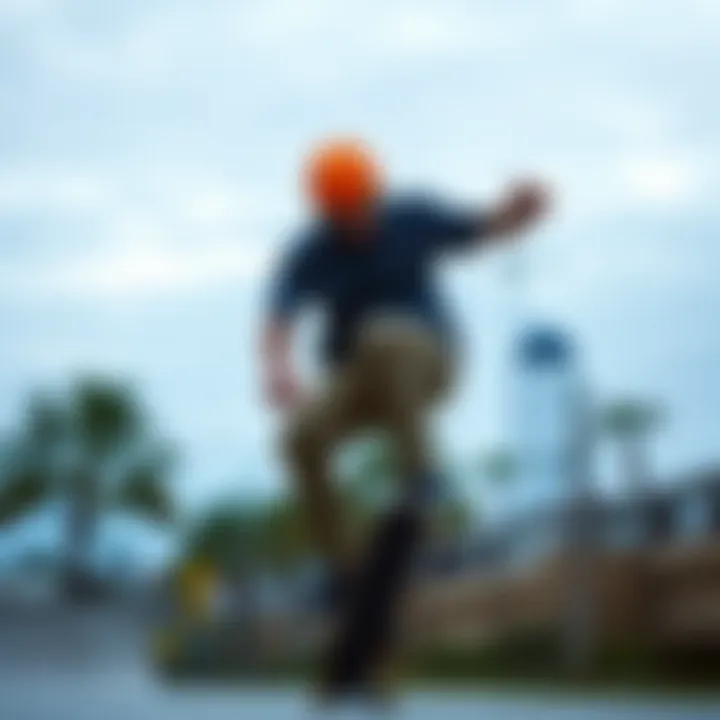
[(654, 564)]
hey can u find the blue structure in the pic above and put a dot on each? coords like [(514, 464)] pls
[(543, 414), (544, 347)]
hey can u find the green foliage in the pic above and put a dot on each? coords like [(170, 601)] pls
[(629, 422), (454, 519), (376, 477), (237, 536), (273, 534), (629, 418), (371, 477), (227, 536), (284, 538), (93, 450), (499, 465), (531, 659), (525, 654), (20, 491), (100, 425), (105, 415), (144, 492)]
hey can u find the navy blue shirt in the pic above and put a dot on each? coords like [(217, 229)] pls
[(391, 270)]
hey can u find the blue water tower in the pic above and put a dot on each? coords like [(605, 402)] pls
[(543, 417)]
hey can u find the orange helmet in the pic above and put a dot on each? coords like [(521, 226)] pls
[(342, 179)]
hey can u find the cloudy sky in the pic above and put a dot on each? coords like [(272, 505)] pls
[(148, 158)]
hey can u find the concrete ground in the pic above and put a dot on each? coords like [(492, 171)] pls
[(58, 667)]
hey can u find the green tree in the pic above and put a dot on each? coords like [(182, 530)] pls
[(229, 537), (92, 450), (284, 538), (21, 489), (375, 480), (239, 541), (498, 469), (498, 466), (631, 422), (369, 478)]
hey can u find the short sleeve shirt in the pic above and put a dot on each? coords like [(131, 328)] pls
[(392, 269)]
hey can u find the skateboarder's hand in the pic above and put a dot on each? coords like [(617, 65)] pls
[(523, 204)]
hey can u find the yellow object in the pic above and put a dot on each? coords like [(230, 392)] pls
[(198, 582)]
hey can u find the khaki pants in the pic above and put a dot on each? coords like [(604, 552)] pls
[(398, 371)]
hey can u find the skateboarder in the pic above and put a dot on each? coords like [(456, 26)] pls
[(367, 257)]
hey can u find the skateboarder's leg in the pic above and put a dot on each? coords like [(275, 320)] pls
[(394, 376), (312, 433), (410, 371)]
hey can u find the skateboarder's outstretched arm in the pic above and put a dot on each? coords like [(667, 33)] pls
[(450, 226)]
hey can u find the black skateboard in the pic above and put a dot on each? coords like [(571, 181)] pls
[(368, 620)]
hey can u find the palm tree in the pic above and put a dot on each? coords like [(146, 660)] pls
[(28, 461), (92, 452), (630, 422), (499, 466), (21, 489)]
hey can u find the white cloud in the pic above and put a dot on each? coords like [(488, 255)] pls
[(311, 44), (139, 271), (210, 204), (52, 187), (407, 32), (212, 207), (139, 233), (288, 40), (661, 179), (135, 202)]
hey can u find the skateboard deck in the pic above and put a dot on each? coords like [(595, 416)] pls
[(368, 622)]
